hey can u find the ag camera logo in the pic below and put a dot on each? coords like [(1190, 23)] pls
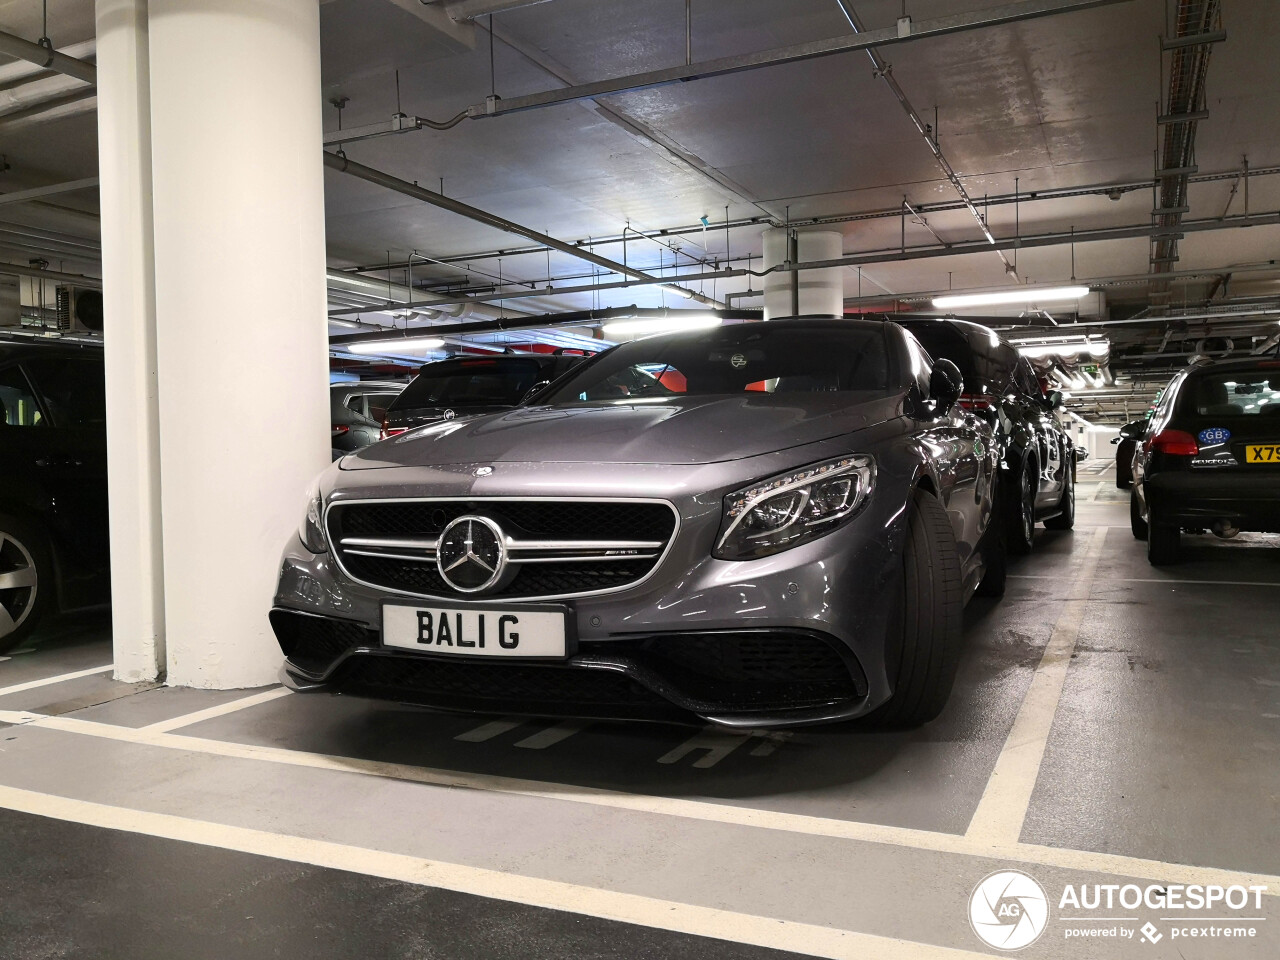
[(1008, 910)]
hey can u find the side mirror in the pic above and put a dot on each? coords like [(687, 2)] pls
[(1134, 430), (1082, 453), (536, 389), (1053, 400), (945, 384)]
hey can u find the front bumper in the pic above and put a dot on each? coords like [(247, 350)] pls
[(793, 638), (1196, 498)]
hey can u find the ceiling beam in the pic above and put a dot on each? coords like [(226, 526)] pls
[(470, 9), (35, 193), (725, 66)]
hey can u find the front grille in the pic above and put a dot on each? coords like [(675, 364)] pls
[(397, 543), (315, 643)]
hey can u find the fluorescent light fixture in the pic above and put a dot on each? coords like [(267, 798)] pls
[(1095, 348), (693, 321), (391, 346), (1020, 295)]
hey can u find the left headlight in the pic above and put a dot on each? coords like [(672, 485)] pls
[(791, 509), (311, 530)]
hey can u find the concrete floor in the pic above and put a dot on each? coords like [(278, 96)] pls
[(1111, 724)]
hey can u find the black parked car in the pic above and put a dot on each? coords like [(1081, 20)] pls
[(1126, 445), (1210, 457), (357, 409), (1037, 454), (467, 385), (53, 484)]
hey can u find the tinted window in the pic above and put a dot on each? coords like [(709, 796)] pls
[(378, 403), (72, 388), (763, 358), (944, 342), (1025, 379), (1233, 394), (18, 407), (470, 383)]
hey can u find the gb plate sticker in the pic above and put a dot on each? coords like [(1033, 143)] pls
[(1214, 435)]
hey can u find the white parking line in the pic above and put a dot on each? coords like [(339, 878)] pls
[(715, 741), (487, 731), (1084, 860), (1004, 803), (553, 735), (769, 932), (49, 681), (221, 710), (17, 717), (1207, 583)]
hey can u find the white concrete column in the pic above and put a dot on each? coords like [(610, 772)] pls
[(240, 316), (821, 292), (133, 427)]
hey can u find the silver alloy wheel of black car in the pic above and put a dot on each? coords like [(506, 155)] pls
[(1066, 518), (19, 588), (1021, 511)]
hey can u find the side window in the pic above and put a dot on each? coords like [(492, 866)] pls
[(920, 366), (18, 406), (378, 403), (72, 388), (356, 404), (1024, 378)]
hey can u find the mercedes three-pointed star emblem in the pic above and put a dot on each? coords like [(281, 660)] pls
[(472, 555)]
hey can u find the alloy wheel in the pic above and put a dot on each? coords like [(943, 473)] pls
[(19, 583)]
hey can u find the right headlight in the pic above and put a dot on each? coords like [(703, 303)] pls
[(793, 508), (311, 530)]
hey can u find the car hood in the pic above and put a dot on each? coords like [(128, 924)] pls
[(669, 431)]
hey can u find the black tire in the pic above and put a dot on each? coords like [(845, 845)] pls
[(1136, 523), (923, 647), (1164, 541), (1020, 510), (1067, 518), (26, 579)]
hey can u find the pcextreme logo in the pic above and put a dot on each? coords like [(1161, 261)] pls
[(1009, 910)]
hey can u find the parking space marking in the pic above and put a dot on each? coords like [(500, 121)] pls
[(487, 731), (1207, 583), (50, 681), (1084, 860), (770, 740), (717, 743), (768, 932), (221, 710), (553, 735), (1004, 803), (18, 717)]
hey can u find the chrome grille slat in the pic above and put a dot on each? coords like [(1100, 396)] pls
[(392, 544)]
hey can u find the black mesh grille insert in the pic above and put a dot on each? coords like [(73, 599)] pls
[(746, 656), (314, 643), (525, 519), (440, 682)]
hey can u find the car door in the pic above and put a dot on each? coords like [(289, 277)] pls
[(72, 465), (24, 429)]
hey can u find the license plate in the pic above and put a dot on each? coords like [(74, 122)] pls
[(1262, 453), (511, 631)]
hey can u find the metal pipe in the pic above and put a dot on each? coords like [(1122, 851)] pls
[(47, 57), (470, 9), (370, 175), (54, 276), (547, 320), (883, 71), (725, 66)]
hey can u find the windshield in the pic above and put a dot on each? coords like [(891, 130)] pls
[(1235, 394), (757, 357), (470, 383)]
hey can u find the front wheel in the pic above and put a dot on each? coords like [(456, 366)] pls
[(1066, 519), (924, 643), (26, 579), (1020, 510), (1136, 523)]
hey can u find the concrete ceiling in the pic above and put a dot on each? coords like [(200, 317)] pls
[(1062, 102)]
